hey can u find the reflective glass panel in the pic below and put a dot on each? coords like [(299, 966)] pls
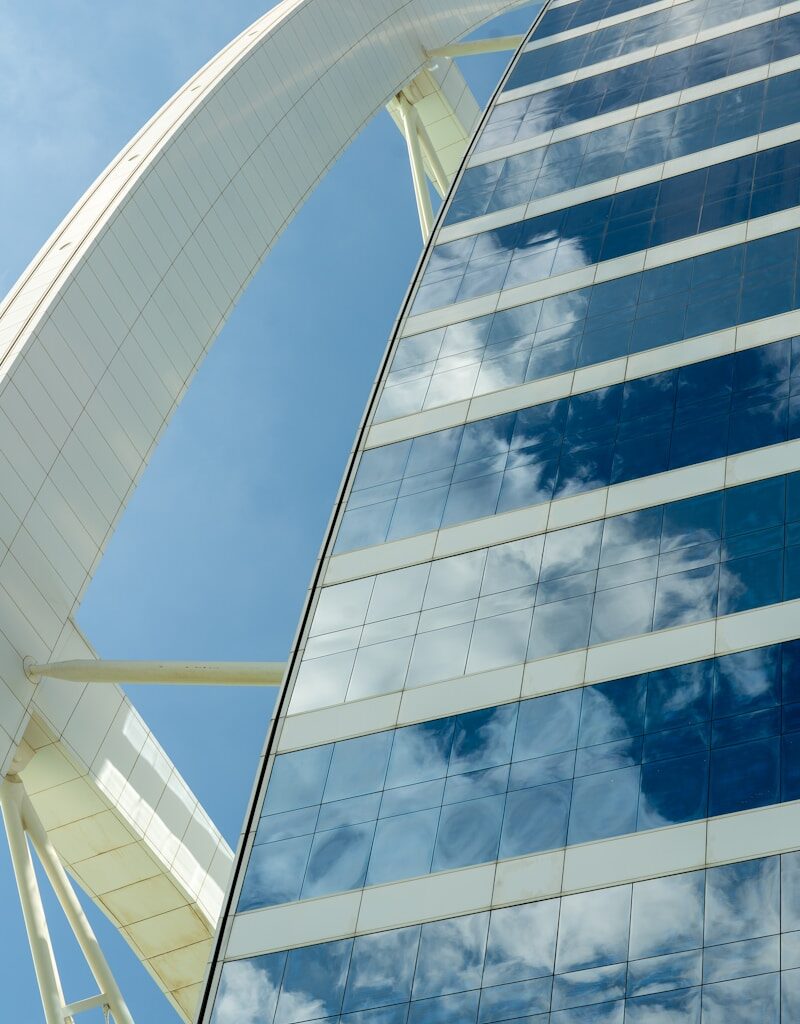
[(627, 755), (660, 950)]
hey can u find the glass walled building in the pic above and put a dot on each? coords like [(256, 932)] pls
[(539, 754)]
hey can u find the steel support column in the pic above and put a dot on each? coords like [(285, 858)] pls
[(78, 921), (411, 132), (189, 673), (440, 177), (44, 961), (23, 823)]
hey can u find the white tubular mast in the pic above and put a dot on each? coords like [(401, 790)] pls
[(423, 155), (181, 673), (440, 178), (497, 45), (44, 961), (412, 136), (23, 824)]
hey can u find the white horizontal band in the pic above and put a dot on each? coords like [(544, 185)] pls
[(591, 125), (616, 499), (761, 18), (632, 858), (586, 378), (594, 26), (621, 183), (616, 659)]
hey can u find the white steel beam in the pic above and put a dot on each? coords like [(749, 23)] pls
[(497, 45), (64, 303), (44, 961), (447, 114), (93, 805), (410, 131), (182, 673), (22, 823), (78, 922), (440, 178)]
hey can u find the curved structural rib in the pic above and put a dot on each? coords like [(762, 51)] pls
[(102, 334)]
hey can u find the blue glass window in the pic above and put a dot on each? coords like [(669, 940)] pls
[(625, 86), (643, 80), (611, 41), (369, 983), (669, 746), (584, 12), (613, 226), (451, 955), (525, 600), (672, 419), (632, 145), (582, 328), (722, 940), (313, 982)]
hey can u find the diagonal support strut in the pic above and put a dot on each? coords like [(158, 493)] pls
[(187, 673), (23, 825)]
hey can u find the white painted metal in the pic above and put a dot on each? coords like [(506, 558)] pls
[(421, 194), (81, 929), (44, 961), (448, 115), (431, 157), (186, 673), (131, 833), (81, 1005), (497, 45), (99, 340), (22, 823)]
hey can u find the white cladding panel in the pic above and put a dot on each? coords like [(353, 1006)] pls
[(99, 340)]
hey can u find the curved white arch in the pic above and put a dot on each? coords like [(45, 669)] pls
[(99, 340)]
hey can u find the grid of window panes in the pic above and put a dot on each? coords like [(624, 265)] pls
[(683, 20), (586, 158), (664, 75), (686, 561), (576, 15), (696, 740), (688, 299), (693, 741), (721, 946), (562, 19), (611, 227), (677, 418)]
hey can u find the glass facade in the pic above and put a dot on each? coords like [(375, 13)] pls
[(676, 22), (632, 754), (611, 227), (720, 946), (688, 299), (538, 759), (642, 80), (677, 418), (663, 566), (641, 142)]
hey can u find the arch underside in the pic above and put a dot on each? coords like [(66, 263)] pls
[(99, 340)]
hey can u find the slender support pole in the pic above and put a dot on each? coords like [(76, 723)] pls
[(74, 912), (497, 45), (424, 209), (244, 673), (44, 963), (440, 178)]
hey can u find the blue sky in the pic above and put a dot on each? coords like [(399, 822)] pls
[(214, 554)]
